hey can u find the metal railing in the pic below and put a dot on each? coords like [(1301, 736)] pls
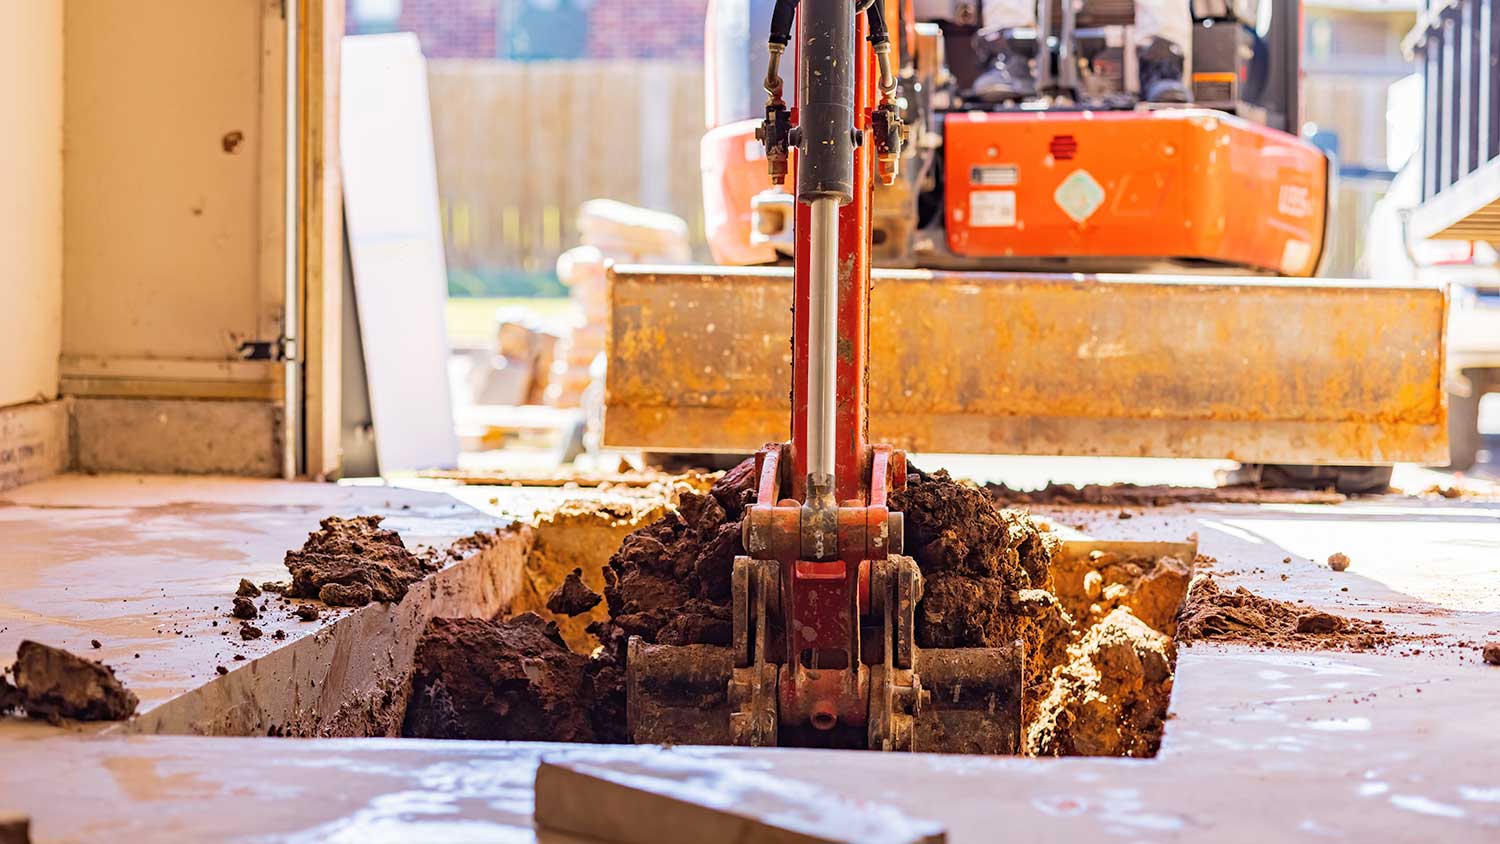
[(1456, 45)]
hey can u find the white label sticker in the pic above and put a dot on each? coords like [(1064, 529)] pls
[(754, 150), (1079, 195), (1294, 256), (992, 208)]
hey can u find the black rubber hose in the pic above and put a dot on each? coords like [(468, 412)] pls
[(875, 14), (781, 21)]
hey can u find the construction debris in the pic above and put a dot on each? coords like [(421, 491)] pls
[(247, 589), (51, 683), (1491, 653), (359, 559)]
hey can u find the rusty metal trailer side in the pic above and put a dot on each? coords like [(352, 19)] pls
[(1255, 369)]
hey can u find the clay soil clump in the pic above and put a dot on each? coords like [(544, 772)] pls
[(1241, 616), (573, 597), (507, 680), (52, 683), (351, 562)]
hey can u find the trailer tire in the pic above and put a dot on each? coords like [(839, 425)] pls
[(1463, 430), (1349, 480)]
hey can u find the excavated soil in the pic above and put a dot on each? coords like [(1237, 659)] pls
[(351, 562), (1211, 613), (51, 683), (1110, 697), (581, 536), (988, 581), (1157, 495), (514, 680)]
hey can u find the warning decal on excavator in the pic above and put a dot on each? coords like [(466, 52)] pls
[(994, 175), (992, 208), (1079, 195)]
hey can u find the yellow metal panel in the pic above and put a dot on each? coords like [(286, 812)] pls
[(1262, 370)]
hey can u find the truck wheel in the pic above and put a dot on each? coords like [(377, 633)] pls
[(1463, 431), (1350, 480)]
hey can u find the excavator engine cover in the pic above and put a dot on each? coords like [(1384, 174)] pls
[(1177, 184)]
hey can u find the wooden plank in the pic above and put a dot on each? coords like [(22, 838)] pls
[(396, 243), (653, 796), (320, 232)]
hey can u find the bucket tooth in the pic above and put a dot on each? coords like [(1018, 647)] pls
[(677, 694), (971, 700)]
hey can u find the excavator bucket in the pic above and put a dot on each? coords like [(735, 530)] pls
[(1263, 370)]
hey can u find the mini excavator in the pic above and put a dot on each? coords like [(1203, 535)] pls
[(824, 651)]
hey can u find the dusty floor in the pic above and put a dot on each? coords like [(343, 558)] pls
[(1261, 745)]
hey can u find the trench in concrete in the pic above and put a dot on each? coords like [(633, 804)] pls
[(353, 677)]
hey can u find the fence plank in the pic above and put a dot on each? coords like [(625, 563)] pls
[(520, 145)]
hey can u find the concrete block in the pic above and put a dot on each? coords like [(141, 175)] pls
[(177, 436)]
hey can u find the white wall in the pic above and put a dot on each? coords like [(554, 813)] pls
[(173, 172), (31, 176)]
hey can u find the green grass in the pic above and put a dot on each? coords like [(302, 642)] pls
[(471, 320)]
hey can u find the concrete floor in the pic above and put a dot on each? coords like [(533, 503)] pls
[(1261, 745)]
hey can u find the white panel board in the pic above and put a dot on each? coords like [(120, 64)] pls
[(396, 246)]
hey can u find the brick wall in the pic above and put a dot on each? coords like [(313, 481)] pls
[(647, 29), (617, 29)]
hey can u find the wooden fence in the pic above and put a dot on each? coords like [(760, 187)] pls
[(520, 145)]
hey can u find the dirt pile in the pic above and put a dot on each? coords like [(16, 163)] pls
[(1157, 495), (1244, 617), (51, 683), (351, 562), (511, 680), (1110, 698), (988, 581)]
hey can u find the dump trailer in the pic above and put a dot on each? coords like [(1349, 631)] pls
[(1080, 273)]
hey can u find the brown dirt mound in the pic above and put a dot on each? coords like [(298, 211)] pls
[(1111, 697), (350, 562), (987, 582), (986, 574), (502, 680), (52, 683), (1242, 616), (1156, 495)]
